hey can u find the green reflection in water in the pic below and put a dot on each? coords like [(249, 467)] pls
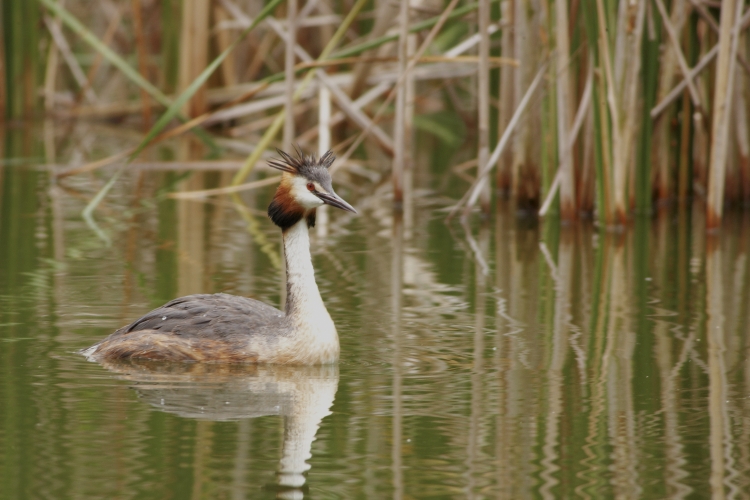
[(531, 360)]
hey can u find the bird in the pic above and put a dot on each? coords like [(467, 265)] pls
[(224, 328)]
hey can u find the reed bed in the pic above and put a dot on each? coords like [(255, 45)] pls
[(580, 107)]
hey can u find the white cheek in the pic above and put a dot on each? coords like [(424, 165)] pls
[(303, 196)]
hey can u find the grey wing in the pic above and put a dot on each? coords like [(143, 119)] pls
[(214, 316)]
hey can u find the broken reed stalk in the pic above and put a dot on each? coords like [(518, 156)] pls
[(728, 41), (447, 13), (618, 81), (469, 199), (114, 24), (278, 122), (675, 39), (583, 109), (75, 68)]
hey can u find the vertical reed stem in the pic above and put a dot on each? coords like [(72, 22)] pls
[(194, 52), (743, 139), (728, 40), (140, 43), (398, 127), (503, 180), (483, 104), (324, 144), (564, 113), (291, 40)]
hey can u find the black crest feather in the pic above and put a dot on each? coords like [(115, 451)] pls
[(299, 163)]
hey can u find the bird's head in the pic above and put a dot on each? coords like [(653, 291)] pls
[(305, 186)]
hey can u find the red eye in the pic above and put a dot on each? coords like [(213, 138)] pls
[(310, 186)]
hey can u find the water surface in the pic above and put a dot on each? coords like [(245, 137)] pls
[(509, 359)]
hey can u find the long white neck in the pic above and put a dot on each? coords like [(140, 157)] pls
[(304, 306), (302, 291)]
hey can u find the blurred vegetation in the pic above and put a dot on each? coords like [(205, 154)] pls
[(641, 102)]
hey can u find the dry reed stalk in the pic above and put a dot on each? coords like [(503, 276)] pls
[(742, 132), (4, 112), (679, 14), (661, 148), (503, 179), (471, 195), (410, 86), (194, 52), (385, 13), (567, 149), (176, 166), (109, 34), (676, 92), (50, 75), (564, 106), (493, 61), (524, 171), (363, 100), (181, 129), (403, 76), (276, 125), (324, 144), (289, 75), (701, 132), (586, 187), (399, 154), (264, 121), (342, 99), (622, 96), (205, 193), (483, 104), (140, 44), (683, 173), (75, 69), (709, 19), (228, 69), (263, 49), (728, 43)]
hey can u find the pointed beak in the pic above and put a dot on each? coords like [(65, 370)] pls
[(334, 200)]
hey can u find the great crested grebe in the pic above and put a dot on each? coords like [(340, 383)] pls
[(230, 329)]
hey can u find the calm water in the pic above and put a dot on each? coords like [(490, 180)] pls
[(506, 360)]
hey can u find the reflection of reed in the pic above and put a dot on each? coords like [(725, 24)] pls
[(669, 367), (619, 374), (720, 439), (397, 269), (500, 361), (593, 449), (476, 436), (562, 275)]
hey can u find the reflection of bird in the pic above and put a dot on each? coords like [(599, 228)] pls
[(231, 329), (302, 395)]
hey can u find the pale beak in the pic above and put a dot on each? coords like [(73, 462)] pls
[(334, 200)]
